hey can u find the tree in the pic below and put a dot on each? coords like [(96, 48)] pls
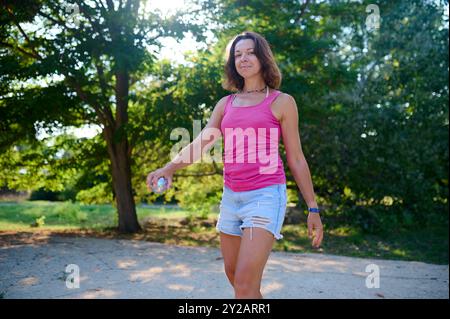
[(76, 63), (398, 118), (373, 105)]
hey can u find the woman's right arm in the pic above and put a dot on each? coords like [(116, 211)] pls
[(179, 161)]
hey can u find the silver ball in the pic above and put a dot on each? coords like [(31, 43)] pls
[(161, 185)]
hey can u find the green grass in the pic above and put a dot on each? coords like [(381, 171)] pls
[(427, 245), (66, 215), (163, 225)]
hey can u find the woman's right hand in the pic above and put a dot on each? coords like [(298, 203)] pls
[(152, 178)]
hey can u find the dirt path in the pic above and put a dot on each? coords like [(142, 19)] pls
[(36, 268)]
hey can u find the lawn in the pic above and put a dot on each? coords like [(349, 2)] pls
[(66, 215), (172, 226)]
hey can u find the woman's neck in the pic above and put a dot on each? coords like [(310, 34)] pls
[(253, 84)]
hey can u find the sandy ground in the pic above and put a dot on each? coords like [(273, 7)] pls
[(36, 268)]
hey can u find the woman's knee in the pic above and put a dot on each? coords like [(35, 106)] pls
[(244, 285)]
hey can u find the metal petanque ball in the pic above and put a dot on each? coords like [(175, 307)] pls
[(161, 185)]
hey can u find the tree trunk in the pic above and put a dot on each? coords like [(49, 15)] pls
[(121, 177)]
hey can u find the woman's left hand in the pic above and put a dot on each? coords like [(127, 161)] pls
[(315, 226)]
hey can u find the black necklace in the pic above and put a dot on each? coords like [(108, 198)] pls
[(259, 90)]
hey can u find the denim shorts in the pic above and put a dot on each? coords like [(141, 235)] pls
[(263, 207)]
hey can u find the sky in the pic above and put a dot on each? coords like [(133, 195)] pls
[(171, 49)]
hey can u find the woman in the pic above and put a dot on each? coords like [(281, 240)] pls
[(254, 194)]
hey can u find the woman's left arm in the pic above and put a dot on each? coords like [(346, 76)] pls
[(297, 163)]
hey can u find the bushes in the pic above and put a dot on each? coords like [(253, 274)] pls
[(99, 194), (43, 194), (70, 213)]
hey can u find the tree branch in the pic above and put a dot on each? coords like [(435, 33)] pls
[(216, 168), (302, 11), (59, 21), (102, 81), (53, 19), (122, 92), (29, 54), (196, 174), (103, 114), (100, 4), (13, 18), (110, 5), (96, 26)]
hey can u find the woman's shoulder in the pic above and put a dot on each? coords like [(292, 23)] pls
[(284, 104), (283, 97), (223, 101), (286, 98), (225, 98), (279, 94), (220, 105)]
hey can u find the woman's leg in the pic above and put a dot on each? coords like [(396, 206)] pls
[(254, 251), (229, 246)]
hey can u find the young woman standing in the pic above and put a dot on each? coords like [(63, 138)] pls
[(254, 194)]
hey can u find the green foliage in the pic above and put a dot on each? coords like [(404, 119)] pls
[(199, 195), (76, 70), (98, 194), (39, 222), (373, 105), (392, 132), (70, 212)]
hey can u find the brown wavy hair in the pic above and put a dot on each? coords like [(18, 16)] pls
[(270, 71)]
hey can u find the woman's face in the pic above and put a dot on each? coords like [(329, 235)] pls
[(245, 60)]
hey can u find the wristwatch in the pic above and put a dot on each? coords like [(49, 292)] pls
[(313, 210)]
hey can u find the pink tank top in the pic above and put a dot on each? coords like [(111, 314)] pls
[(251, 136)]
